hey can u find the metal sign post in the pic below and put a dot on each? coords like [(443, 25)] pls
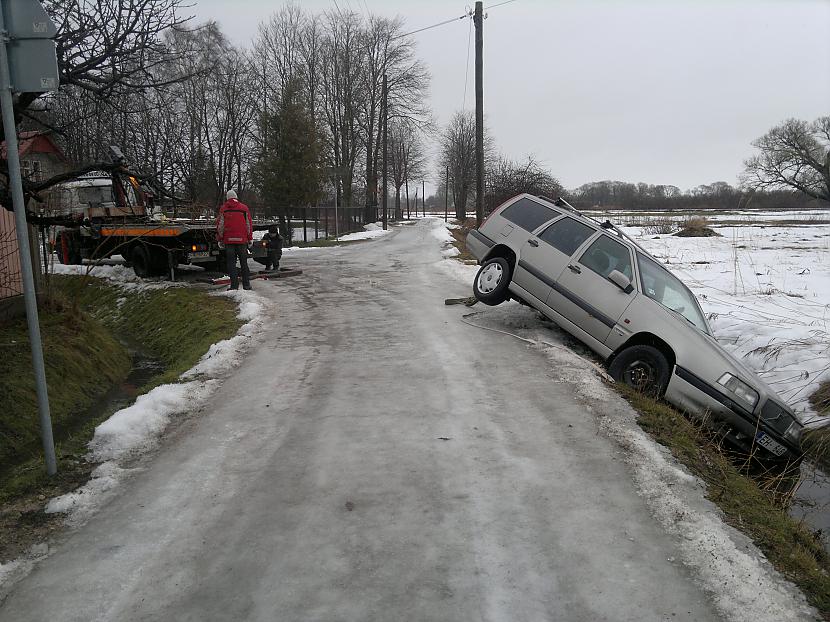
[(27, 65)]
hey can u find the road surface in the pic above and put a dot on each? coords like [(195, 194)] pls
[(374, 459)]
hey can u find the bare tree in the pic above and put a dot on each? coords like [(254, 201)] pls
[(109, 53), (507, 179), (389, 52), (406, 159), (458, 152), (342, 66), (795, 154)]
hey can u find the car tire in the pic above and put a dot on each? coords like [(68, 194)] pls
[(643, 368), (492, 279)]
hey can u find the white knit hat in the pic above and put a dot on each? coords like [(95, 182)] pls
[(231, 194)]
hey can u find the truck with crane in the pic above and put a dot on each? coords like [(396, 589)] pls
[(114, 213)]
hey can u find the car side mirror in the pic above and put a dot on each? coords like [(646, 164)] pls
[(621, 281)]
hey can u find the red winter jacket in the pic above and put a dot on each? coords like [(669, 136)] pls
[(234, 224)]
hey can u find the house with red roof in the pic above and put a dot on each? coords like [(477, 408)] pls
[(40, 159)]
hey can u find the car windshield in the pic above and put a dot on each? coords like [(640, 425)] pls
[(93, 195), (660, 285)]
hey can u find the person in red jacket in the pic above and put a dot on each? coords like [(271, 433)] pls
[(235, 230)]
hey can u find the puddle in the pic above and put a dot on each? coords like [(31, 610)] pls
[(812, 501)]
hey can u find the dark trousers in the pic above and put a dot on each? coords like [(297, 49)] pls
[(232, 251)]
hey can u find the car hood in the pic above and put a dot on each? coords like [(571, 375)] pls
[(726, 362)]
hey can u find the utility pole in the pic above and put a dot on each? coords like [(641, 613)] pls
[(385, 116), (478, 19), (27, 64), (424, 196), (447, 195)]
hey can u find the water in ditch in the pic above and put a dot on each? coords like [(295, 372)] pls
[(144, 369), (811, 502)]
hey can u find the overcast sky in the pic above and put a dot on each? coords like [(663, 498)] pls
[(670, 91)]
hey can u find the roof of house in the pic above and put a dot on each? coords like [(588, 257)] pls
[(34, 142)]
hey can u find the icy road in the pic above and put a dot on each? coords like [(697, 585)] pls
[(375, 458)]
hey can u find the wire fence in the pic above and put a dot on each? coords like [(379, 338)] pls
[(11, 278), (308, 224)]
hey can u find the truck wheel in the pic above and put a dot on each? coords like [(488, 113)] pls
[(140, 259), (490, 284), (643, 368)]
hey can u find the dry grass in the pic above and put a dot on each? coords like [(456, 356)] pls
[(459, 235), (657, 225)]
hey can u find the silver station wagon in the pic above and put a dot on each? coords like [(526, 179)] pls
[(607, 291)]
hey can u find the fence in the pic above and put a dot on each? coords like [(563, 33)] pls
[(11, 279), (312, 223)]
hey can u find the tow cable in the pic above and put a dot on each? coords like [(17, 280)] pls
[(599, 370)]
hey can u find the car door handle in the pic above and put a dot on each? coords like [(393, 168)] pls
[(575, 269), (533, 242)]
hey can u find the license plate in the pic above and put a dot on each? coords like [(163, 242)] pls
[(775, 447), (200, 254)]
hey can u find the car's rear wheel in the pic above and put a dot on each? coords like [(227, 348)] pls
[(490, 284), (643, 368)]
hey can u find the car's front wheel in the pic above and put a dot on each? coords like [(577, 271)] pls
[(643, 368), (490, 284)]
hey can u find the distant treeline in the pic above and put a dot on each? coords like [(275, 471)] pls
[(717, 196)]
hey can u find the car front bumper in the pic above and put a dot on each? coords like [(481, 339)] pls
[(695, 395)]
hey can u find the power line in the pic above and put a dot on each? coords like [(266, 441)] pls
[(448, 21), (469, 13)]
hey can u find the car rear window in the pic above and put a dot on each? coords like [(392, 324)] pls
[(566, 235), (606, 255), (529, 215)]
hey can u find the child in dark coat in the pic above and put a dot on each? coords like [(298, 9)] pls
[(274, 240)]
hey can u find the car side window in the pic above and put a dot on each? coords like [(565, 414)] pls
[(606, 255), (529, 215), (566, 235)]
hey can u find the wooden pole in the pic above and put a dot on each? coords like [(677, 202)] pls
[(478, 19)]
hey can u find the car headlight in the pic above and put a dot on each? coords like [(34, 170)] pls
[(745, 393)]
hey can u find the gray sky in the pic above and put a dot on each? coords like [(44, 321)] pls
[(668, 92)]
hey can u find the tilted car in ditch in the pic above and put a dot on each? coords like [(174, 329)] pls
[(606, 290)]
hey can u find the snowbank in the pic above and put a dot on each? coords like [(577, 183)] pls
[(371, 230), (136, 429)]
